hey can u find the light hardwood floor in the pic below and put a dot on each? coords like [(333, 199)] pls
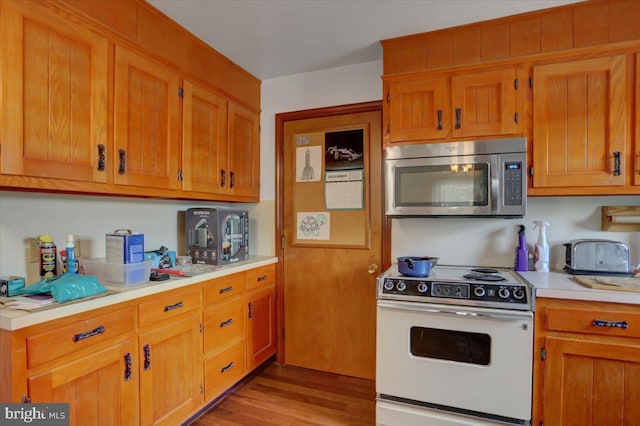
[(284, 395)]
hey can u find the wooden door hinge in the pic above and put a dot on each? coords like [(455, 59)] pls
[(180, 176), (388, 98), (201, 329), (388, 128), (531, 171), (516, 84), (516, 117), (543, 354), (180, 92), (530, 82)]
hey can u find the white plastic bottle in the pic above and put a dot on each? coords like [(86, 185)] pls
[(541, 256)]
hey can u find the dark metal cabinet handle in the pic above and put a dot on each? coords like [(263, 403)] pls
[(227, 367), (123, 161), (223, 177), (232, 180), (127, 366), (82, 336), (439, 114), (226, 323), (250, 309), (172, 307), (101, 157), (226, 289), (458, 117), (616, 163), (263, 278), (604, 323), (147, 357)]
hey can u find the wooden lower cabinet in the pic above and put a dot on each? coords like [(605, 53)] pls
[(587, 364), (261, 330), (100, 388)]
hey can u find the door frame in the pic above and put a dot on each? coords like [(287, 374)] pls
[(281, 119)]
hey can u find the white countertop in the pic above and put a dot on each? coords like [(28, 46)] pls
[(561, 285), (13, 319)]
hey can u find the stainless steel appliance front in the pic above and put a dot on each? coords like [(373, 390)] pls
[(484, 178)]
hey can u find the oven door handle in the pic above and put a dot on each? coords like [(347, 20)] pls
[(458, 312)]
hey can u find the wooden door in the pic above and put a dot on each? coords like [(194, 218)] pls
[(204, 140), (54, 96), (591, 383), (101, 388), (579, 123), (147, 122), (485, 103), (261, 327), (170, 371), (419, 109), (244, 151), (329, 279)]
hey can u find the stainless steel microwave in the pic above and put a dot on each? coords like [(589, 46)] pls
[(484, 178)]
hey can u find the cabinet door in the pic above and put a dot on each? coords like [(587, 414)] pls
[(419, 109), (579, 123), (591, 383), (261, 329), (54, 96), (485, 103), (244, 151), (147, 114), (636, 171), (101, 389), (204, 140), (170, 371)]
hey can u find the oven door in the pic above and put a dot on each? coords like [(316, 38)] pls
[(478, 360)]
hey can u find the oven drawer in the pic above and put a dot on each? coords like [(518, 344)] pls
[(390, 413), (609, 321)]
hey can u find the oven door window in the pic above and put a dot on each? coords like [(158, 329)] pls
[(459, 346), (455, 185)]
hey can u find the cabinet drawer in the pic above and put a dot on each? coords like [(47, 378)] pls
[(82, 334), (261, 276), (168, 306), (221, 289), (223, 370), (223, 324), (594, 321)]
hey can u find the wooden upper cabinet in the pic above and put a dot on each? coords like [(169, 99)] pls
[(419, 109), (459, 105), (636, 170), (147, 122), (244, 151), (580, 123), (485, 103), (204, 140), (54, 96)]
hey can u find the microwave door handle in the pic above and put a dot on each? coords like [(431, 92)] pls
[(457, 312)]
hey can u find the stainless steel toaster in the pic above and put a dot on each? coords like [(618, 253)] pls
[(597, 257)]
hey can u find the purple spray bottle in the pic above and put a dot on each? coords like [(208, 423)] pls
[(522, 254)]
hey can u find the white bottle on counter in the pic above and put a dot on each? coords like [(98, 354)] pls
[(541, 256)]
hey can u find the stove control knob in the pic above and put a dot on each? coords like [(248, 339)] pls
[(479, 291), (518, 293), (388, 285), (504, 293), (422, 288), (401, 286)]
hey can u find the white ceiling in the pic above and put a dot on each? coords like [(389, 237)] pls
[(274, 38)]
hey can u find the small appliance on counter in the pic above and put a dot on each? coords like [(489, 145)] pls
[(596, 257), (217, 236)]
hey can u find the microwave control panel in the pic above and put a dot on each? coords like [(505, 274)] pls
[(513, 176)]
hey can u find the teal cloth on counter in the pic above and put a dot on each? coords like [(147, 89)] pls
[(66, 287)]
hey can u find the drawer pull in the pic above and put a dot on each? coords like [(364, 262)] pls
[(101, 157), (439, 115), (226, 323), (616, 163), (127, 366), (172, 307), (232, 179), (603, 323), (223, 179), (147, 357), (262, 278), (227, 367), (82, 336), (250, 310), (122, 168), (226, 289), (458, 116)]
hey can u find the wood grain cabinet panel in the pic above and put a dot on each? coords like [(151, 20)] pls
[(243, 151), (587, 364), (147, 122), (261, 330), (54, 96), (101, 388), (580, 123), (636, 146), (204, 140)]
